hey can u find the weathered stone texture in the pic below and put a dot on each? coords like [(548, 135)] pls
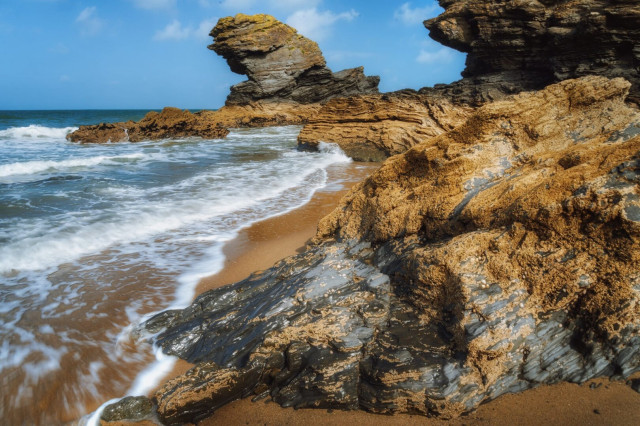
[(170, 123), (374, 127), (492, 258), (516, 45), (281, 64)]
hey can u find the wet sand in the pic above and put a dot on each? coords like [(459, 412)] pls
[(598, 402)]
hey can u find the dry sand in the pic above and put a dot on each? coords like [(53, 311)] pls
[(598, 402)]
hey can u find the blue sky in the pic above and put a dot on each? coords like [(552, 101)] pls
[(72, 54)]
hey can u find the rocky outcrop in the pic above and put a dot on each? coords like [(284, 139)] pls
[(174, 123), (263, 114), (512, 46), (281, 64), (489, 259), (170, 123), (516, 45), (374, 127)]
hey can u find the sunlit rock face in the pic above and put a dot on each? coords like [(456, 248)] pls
[(516, 45), (281, 64), (495, 257)]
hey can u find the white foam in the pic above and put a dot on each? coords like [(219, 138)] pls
[(177, 228), (31, 167), (151, 376), (35, 131)]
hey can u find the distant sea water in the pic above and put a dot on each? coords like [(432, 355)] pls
[(94, 237)]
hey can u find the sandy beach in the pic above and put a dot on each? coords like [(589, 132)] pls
[(597, 402)]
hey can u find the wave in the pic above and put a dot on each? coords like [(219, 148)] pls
[(31, 167), (35, 132)]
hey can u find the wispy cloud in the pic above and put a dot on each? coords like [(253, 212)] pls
[(441, 56), (154, 4), (414, 16), (176, 31), (238, 4), (89, 22), (283, 5), (317, 25)]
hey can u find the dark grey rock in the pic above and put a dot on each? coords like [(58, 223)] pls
[(131, 408)]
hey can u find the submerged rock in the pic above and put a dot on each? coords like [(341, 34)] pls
[(495, 257), (281, 64), (170, 123), (131, 409)]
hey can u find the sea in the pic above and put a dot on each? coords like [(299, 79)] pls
[(94, 238)]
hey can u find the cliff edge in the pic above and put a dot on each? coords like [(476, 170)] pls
[(516, 45), (512, 46)]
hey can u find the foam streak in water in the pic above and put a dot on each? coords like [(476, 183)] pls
[(31, 167), (35, 131)]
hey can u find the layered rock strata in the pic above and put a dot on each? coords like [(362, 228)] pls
[(516, 45), (511, 46), (492, 258), (174, 123), (281, 64), (170, 123), (374, 127)]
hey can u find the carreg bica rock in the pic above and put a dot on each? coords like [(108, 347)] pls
[(281, 64)]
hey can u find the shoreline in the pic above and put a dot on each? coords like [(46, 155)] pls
[(268, 241), (264, 243)]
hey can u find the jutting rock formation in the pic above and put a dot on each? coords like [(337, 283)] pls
[(281, 64), (288, 83), (516, 45), (497, 256), (512, 46)]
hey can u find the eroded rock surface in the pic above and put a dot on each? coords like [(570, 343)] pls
[(512, 46), (492, 258), (281, 64), (170, 123), (517, 45), (374, 127)]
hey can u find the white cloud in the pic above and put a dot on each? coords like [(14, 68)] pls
[(154, 4), (64, 78), (317, 25), (173, 31), (176, 31), (416, 16), (284, 5), (441, 56), (205, 27), (90, 23), (294, 4), (238, 4)]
